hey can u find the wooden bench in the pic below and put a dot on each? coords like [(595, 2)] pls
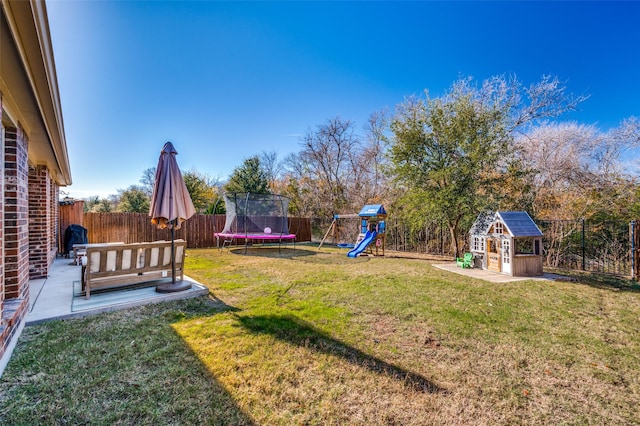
[(80, 250), (117, 265)]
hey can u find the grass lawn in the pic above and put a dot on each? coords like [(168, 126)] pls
[(313, 337)]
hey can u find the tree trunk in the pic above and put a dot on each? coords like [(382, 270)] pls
[(453, 230)]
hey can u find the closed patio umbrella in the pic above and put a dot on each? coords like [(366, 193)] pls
[(170, 206)]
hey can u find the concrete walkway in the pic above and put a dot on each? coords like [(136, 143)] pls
[(58, 296), (491, 276)]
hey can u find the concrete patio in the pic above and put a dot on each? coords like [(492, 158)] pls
[(58, 296), (493, 277)]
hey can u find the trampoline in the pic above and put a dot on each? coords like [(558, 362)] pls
[(255, 217)]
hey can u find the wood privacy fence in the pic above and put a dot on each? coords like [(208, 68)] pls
[(69, 213), (198, 231)]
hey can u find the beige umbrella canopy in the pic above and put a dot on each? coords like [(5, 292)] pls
[(170, 203), (170, 206)]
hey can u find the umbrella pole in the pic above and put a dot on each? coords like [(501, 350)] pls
[(173, 286), (173, 255)]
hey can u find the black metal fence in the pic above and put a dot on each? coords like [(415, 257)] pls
[(594, 246), (431, 239)]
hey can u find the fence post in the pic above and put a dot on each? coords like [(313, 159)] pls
[(632, 225), (583, 251)]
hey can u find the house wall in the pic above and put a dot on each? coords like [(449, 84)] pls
[(54, 209), (40, 241), (32, 133), (16, 215), (15, 235), (4, 329)]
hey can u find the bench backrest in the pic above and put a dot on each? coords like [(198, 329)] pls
[(134, 258)]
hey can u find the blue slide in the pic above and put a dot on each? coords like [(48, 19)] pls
[(368, 237)]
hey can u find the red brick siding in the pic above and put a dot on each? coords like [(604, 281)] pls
[(16, 215), (39, 222), (54, 208), (14, 235), (2, 294), (13, 312)]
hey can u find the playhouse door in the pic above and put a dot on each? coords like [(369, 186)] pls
[(493, 255), (506, 257)]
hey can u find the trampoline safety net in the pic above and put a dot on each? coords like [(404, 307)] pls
[(256, 214)]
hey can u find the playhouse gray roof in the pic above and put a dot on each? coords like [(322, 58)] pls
[(519, 224), (482, 223)]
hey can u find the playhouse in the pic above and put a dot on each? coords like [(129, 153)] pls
[(507, 242)]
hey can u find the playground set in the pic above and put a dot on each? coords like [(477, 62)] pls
[(372, 230)]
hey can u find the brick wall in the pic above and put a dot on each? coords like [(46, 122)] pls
[(2, 296), (14, 235), (16, 215), (54, 209), (40, 241)]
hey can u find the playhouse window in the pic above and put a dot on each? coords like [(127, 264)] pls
[(477, 244), (524, 246), (498, 228)]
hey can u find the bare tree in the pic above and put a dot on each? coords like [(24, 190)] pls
[(579, 170), (374, 155), (148, 180), (328, 161), (272, 167)]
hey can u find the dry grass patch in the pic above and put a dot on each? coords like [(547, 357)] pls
[(313, 337)]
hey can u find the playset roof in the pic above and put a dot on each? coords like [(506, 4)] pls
[(371, 210)]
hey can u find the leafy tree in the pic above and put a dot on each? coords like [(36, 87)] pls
[(95, 204), (448, 152), (217, 207), (134, 200), (201, 189), (249, 177), (90, 203), (104, 206)]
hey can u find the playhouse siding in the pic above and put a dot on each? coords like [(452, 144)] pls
[(514, 226), (526, 266)]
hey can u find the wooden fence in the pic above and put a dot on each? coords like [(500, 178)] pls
[(68, 214), (136, 228)]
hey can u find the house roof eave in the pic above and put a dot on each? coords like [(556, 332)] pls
[(40, 111)]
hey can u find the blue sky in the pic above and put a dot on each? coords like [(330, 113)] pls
[(227, 80)]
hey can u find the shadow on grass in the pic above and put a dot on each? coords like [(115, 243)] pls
[(296, 331), (123, 367), (273, 252), (601, 281)]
